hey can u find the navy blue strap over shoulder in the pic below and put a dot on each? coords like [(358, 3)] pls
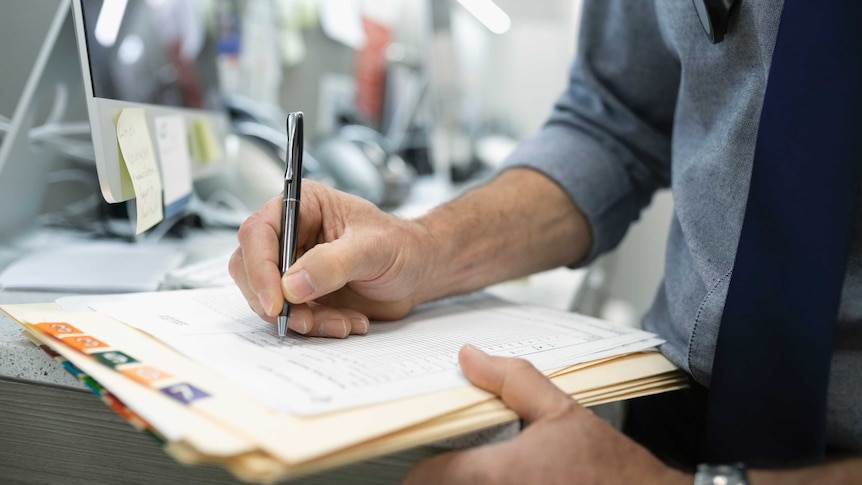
[(767, 398)]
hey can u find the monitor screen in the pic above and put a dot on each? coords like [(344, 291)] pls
[(154, 52), (159, 55)]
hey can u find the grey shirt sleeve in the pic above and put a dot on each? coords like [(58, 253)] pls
[(607, 141)]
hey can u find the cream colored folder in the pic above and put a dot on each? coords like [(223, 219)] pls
[(256, 444)]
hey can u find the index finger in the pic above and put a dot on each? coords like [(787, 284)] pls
[(521, 386), (258, 241)]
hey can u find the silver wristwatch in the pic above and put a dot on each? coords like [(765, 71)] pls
[(721, 475)]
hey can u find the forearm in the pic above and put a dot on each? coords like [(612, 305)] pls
[(519, 223)]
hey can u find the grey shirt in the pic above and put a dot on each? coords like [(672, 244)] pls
[(652, 103)]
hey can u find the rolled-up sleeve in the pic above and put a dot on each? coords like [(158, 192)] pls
[(607, 142)]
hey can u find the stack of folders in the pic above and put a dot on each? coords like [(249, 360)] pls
[(205, 375)]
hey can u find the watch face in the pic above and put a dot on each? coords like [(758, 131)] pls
[(720, 475)]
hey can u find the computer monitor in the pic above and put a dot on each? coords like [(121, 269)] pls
[(80, 78), (83, 77), (49, 94), (157, 55)]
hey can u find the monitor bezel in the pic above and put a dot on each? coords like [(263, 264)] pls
[(102, 113)]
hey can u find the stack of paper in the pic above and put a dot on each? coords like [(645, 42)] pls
[(92, 267), (206, 375)]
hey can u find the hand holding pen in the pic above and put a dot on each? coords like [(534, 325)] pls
[(290, 207), (347, 272)]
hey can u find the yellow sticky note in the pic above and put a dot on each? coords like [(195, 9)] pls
[(128, 190), (136, 148), (205, 147)]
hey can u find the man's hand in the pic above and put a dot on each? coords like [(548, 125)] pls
[(564, 443), (357, 262), (354, 261)]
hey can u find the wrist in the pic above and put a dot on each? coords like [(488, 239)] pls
[(672, 476), (431, 253), (490, 234), (455, 252)]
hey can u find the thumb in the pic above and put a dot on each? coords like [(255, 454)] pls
[(324, 269), (520, 385)]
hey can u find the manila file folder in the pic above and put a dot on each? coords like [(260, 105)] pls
[(201, 413)]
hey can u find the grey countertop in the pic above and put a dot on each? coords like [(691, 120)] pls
[(20, 358)]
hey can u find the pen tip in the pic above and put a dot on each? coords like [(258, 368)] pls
[(281, 339)]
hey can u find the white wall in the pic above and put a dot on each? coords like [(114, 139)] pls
[(520, 73), (526, 71)]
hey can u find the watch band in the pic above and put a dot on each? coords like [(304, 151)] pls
[(733, 474)]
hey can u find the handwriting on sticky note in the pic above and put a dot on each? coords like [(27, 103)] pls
[(139, 157)]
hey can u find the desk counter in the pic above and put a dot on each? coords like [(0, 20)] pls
[(21, 360)]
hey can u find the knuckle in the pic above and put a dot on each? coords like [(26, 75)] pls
[(255, 306), (245, 230), (235, 264), (567, 406), (561, 406), (339, 265), (520, 366), (250, 227), (514, 371)]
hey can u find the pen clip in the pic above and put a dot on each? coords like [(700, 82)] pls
[(293, 165)]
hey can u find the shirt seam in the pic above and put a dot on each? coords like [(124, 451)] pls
[(700, 310)]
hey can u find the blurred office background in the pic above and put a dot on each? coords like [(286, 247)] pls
[(447, 85), (499, 80)]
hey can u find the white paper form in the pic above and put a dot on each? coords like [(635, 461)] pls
[(92, 267), (312, 375)]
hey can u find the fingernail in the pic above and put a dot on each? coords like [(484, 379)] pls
[(298, 286), (265, 302), (359, 325), (299, 325), (334, 328)]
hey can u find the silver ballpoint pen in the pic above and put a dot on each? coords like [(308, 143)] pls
[(290, 207)]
